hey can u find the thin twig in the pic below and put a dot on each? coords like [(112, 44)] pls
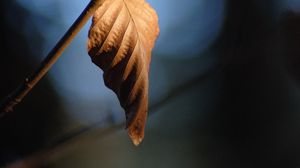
[(17, 95), (83, 136), (154, 107)]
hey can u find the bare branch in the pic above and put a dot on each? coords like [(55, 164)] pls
[(84, 136), (17, 95)]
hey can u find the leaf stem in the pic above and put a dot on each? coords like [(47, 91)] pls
[(18, 94)]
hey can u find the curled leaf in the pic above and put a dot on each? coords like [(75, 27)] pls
[(121, 38)]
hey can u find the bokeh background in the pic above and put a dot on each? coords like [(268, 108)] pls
[(224, 89)]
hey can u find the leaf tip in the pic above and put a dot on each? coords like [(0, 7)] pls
[(136, 140), (136, 133)]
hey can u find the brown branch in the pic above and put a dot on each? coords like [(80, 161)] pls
[(17, 95), (84, 136)]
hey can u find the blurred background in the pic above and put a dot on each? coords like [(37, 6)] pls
[(224, 89)]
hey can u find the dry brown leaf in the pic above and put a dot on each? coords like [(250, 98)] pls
[(121, 38)]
